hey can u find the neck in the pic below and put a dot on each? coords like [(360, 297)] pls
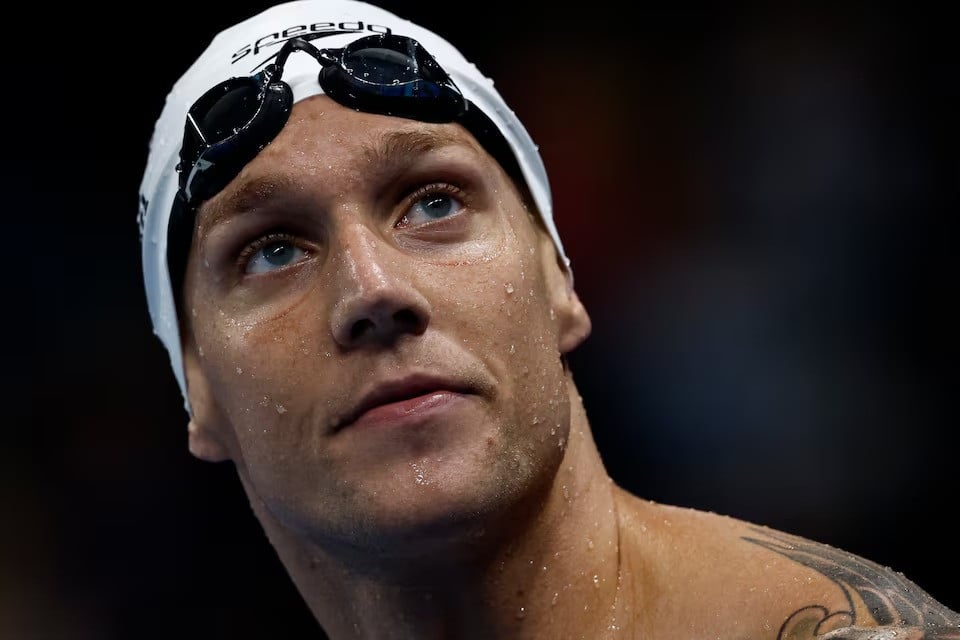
[(558, 575)]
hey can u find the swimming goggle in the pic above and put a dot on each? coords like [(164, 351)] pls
[(232, 122)]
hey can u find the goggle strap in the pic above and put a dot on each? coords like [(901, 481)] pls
[(479, 124)]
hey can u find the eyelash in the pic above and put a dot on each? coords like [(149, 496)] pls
[(427, 190), (446, 188), (252, 248)]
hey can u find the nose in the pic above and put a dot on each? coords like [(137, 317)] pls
[(377, 302)]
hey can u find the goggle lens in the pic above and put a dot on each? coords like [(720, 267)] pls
[(233, 110), (381, 66)]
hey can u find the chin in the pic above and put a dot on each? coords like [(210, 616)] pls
[(427, 518)]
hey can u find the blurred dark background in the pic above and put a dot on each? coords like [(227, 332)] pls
[(755, 204)]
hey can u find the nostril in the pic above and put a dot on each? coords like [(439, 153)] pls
[(406, 320), (360, 327), (384, 325)]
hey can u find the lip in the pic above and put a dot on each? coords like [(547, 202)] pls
[(407, 400)]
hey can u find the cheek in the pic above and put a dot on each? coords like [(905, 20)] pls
[(264, 376), (507, 315), (269, 341), (259, 365), (506, 321)]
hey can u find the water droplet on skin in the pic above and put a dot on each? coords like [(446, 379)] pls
[(596, 581), (239, 370), (589, 543), (418, 474), (521, 613), (509, 287), (200, 351), (281, 409), (513, 349), (556, 596), (566, 493), (536, 420)]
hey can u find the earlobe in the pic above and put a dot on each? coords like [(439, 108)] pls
[(207, 430), (202, 445), (573, 321)]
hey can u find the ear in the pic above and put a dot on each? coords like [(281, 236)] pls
[(572, 318), (208, 429)]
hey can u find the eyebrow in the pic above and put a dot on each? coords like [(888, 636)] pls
[(389, 153), (250, 195), (398, 147)]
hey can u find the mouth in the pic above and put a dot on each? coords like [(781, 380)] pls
[(404, 401)]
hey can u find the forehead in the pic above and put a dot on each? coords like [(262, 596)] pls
[(319, 125), (325, 143)]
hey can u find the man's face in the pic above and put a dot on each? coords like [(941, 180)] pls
[(375, 325)]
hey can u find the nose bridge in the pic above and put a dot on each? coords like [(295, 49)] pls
[(376, 299), (361, 257)]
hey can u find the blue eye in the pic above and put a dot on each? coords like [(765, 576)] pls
[(437, 206), (274, 255), (432, 206)]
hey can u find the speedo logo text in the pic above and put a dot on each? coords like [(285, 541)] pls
[(308, 31)]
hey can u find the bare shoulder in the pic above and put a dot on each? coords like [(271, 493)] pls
[(715, 573)]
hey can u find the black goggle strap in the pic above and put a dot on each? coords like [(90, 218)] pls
[(324, 56), (179, 238), (488, 134)]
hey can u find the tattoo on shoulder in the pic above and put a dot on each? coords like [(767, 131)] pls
[(876, 596)]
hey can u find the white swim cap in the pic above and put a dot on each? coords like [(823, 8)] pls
[(244, 49)]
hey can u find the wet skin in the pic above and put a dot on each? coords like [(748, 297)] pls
[(360, 255), (374, 328)]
